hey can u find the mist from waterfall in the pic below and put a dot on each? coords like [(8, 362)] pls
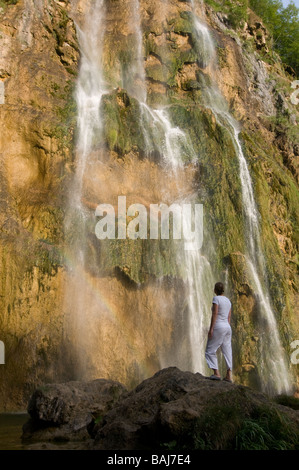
[(133, 79), (176, 151), (273, 367)]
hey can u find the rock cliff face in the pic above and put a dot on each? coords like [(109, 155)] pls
[(38, 65), (140, 289)]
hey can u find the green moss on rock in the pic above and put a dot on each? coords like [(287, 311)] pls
[(121, 116)]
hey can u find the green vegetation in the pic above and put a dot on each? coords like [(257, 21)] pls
[(235, 11), (229, 426), (121, 123), (267, 429), (283, 125), (5, 3), (8, 2), (286, 400), (277, 199), (98, 419), (63, 127), (283, 23), (220, 172)]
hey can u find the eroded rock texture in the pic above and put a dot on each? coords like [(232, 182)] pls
[(173, 410), (141, 323)]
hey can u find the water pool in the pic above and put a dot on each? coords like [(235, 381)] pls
[(11, 430)]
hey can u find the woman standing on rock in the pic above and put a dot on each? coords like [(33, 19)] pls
[(220, 334)]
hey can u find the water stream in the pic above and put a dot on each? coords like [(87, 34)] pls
[(90, 89), (175, 150), (80, 302), (272, 367)]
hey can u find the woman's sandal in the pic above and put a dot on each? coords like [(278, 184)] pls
[(214, 377), (227, 380)]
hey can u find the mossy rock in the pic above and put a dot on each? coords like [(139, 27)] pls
[(121, 118), (171, 58), (182, 24)]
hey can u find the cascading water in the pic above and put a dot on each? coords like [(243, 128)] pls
[(172, 141), (90, 89), (89, 93), (133, 79), (197, 270), (217, 104), (273, 368), (175, 149)]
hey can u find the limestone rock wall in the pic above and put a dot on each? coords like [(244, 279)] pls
[(38, 66), (141, 294)]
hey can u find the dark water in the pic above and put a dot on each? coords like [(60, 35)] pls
[(11, 430)]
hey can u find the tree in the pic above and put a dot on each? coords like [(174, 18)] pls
[(283, 24)]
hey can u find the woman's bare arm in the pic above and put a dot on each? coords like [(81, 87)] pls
[(229, 316)]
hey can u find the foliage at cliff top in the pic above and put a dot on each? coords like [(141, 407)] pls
[(282, 23), (3, 3)]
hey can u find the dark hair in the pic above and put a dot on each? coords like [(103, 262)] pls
[(219, 288)]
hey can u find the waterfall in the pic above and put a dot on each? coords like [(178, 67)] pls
[(80, 302), (172, 141), (273, 368), (90, 89), (216, 103), (175, 149), (134, 80)]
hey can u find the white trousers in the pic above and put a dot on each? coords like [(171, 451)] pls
[(221, 338)]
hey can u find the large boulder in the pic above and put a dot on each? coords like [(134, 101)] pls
[(173, 410), (182, 410), (63, 412)]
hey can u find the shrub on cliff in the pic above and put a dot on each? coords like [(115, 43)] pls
[(3, 3), (283, 23)]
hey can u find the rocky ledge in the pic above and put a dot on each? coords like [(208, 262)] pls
[(171, 410)]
